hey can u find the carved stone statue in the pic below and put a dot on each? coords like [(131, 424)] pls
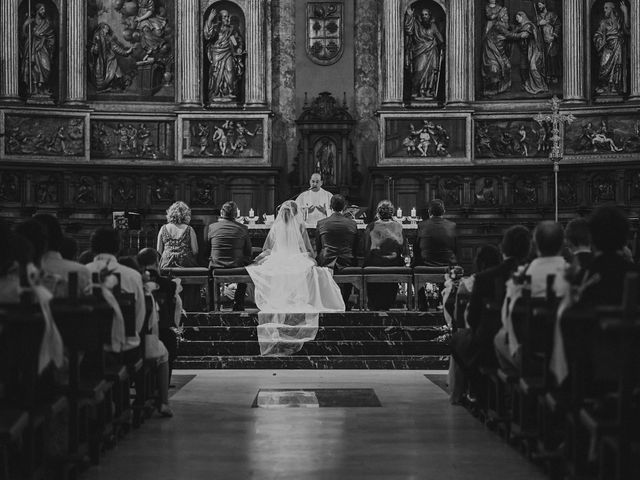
[(38, 40), (551, 27), (610, 40), (423, 53), (527, 35), (225, 51), (496, 52)]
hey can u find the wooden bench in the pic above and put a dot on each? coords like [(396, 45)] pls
[(353, 276), (389, 275), (220, 276), (198, 276)]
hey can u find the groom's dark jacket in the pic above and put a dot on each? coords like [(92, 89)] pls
[(230, 244), (336, 241)]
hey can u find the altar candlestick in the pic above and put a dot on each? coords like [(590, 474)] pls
[(413, 212), (251, 212), (399, 213), (239, 215)]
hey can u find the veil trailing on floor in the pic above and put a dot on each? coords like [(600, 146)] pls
[(290, 290)]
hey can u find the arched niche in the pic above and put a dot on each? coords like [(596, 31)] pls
[(424, 42), (40, 39), (224, 50), (610, 47), (325, 152), (503, 63)]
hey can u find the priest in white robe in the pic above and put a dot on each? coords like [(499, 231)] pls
[(315, 202)]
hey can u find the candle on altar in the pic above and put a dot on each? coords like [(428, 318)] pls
[(251, 212), (239, 215), (413, 212), (399, 213)]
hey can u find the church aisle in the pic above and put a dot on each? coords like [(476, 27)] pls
[(215, 434)]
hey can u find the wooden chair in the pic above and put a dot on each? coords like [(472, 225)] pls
[(389, 275), (198, 276), (353, 276), (220, 276)]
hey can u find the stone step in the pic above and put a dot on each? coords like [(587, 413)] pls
[(387, 319), (404, 362), (322, 348), (382, 333)]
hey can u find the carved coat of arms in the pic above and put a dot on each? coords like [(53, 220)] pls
[(325, 27)]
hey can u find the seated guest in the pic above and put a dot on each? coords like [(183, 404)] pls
[(474, 347), (384, 246), (69, 248), (177, 241), (230, 247), (578, 240), (86, 256), (488, 256), (549, 238), (56, 267), (337, 242), (436, 240), (36, 233), (604, 279), (165, 297), (105, 243)]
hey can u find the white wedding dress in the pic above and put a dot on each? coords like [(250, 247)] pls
[(290, 289)]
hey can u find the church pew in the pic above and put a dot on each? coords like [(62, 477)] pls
[(389, 275), (353, 276), (220, 276), (191, 277)]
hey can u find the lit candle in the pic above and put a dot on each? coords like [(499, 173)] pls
[(251, 212), (239, 215), (413, 212), (399, 213)]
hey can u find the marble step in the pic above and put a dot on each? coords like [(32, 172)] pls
[(322, 348), (386, 319), (383, 333), (405, 362)]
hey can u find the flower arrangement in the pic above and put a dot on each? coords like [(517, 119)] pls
[(433, 295)]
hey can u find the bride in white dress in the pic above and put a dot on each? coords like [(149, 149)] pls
[(290, 289)]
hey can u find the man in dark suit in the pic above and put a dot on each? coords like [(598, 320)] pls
[(230, 247), (436, 240), (474, 348), (337, 242)]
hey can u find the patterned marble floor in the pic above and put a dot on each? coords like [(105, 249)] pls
[(216, 434)]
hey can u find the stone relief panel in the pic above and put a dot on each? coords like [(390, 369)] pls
[(203, 191), (132, 139), (512, 138), (518, 49), (39, 40), (425, 28), (224, 48), (567, 191), (525, 191), (124, 190), (46, 189), (603, 189), (600, 136), (130, 49), (10, 187), (161, 189), (450, 190), (84, 190), (432, 139), (43, 135), (485, 191), (223, 138), (610, 48)]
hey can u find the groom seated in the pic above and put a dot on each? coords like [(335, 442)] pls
[(230, 247), (337, 242)]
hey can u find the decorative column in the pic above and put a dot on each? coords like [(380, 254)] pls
[(634, 91), (393, 54), (573, 16), (76, 57), (9, 50), (256, 52), (188, 54), (457, 52)]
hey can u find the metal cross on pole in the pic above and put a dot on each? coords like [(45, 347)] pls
[(555, 118)]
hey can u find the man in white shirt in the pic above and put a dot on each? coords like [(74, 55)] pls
[(105, 243), (549, 239), (56, 269), (316, 200)]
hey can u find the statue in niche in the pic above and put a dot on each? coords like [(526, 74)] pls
[(550, 26), (424, 53), (610, 40), (103, 63), (325, 153), (225, 51), (496, 51), (38, 40), (531, 54)]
